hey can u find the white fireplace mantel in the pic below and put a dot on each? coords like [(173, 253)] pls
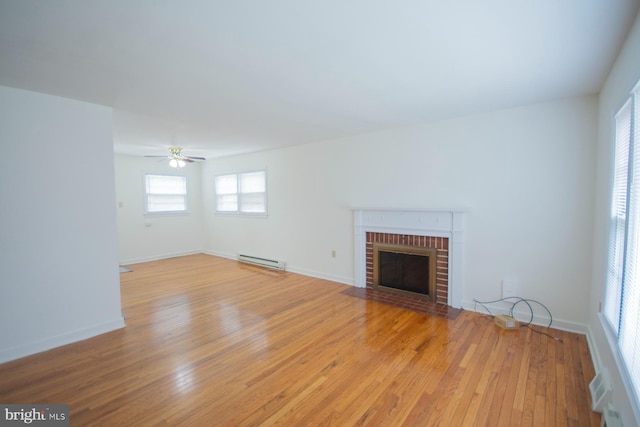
[(436, 223)]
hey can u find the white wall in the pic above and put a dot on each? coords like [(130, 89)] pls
[(526, 176), (623, 76), (143, 238), (59, 257)]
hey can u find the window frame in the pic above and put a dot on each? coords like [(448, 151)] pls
[(616, 314), (238, 193), (146, 194)]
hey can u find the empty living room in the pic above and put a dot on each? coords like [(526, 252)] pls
[(320, 213)]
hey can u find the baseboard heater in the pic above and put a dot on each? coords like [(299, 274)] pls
[(262, 262)]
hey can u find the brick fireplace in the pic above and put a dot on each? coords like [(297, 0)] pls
[(439, 231), (436, 247)]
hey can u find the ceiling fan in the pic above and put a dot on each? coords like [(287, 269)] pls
[(177, 159)]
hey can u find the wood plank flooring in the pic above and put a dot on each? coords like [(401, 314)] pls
[(211, 342)]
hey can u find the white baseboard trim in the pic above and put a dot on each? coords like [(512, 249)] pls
[(524, 315), (332, 278), (297, 270), (158, 257), (222, 254), (59, 340)]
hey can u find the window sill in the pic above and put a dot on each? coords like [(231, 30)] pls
[(242, 214), (168, 213)]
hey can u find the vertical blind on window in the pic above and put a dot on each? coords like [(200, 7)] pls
[(622, 295), (165, 193)]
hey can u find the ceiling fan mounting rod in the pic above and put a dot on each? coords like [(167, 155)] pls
[(176, 153)]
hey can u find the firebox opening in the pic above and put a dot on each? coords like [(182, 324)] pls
[(407, 269), (404, 271)]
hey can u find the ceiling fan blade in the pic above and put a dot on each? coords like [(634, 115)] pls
[(175, 153)]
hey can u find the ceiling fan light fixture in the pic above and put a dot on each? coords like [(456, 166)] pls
[(177, 160), (176, 163)]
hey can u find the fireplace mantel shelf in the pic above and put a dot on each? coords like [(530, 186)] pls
[(409, 209), (420, 222)]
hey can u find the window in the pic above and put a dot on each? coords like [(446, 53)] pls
[(165, 194), (242, 193), (622, 294)]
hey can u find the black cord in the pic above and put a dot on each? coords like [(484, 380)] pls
[(543, 333), (537, 302), (482, 303), (519, 300)]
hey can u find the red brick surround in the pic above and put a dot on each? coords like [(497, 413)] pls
[(439, 243)]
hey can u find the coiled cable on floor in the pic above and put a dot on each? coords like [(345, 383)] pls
[(518, 300)]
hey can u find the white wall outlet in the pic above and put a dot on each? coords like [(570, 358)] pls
[(509, 288)]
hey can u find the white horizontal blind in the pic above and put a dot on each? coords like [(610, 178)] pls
[(630, 303), (227, 193), (622, 295), (165, 193), (242, 193), (253, 192), (618, 228)]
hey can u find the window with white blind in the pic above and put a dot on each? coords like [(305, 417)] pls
[(242, 193), (622, 294), (165, 194)]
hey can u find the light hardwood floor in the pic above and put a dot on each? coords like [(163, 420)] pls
[(211, 342)]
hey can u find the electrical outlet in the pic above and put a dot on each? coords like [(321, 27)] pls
[(509, 288), (333, 253)]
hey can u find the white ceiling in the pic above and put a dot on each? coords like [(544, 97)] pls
[(225, 77)]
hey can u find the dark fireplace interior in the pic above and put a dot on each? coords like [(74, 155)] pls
[(406, 269)]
